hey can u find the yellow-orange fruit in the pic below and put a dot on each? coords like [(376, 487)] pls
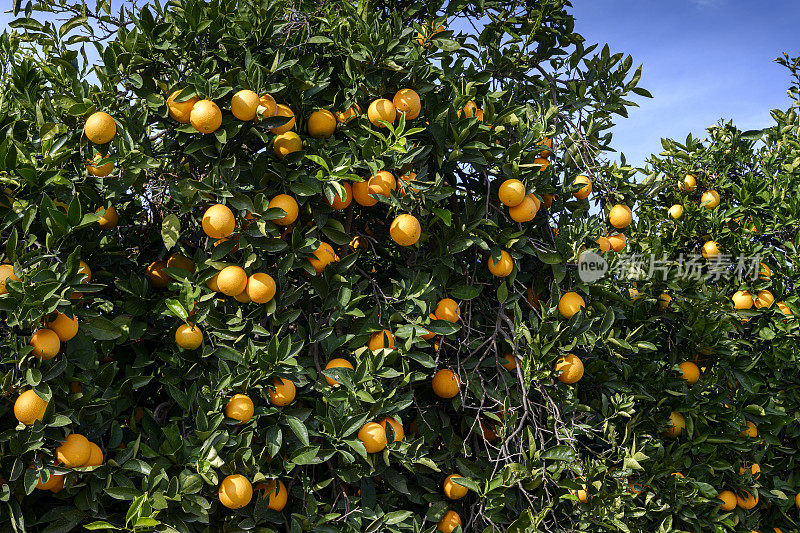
[(235, 491), (675, 212), (504, 265), (620, 216), (689, 372), (747, 501), (688, 184), (710, 250), (469, 109), (323, 256), (260, 288), (447, 309), (764, 299), (675, 424), (232, 280), (407, 102), (742, 300), (284, 392), (206, 116), (286, 143), (380, 340), (100, 127), (346, 116), (750, 431), (283, 111), (586, 190), (511, 193), (52, 482), (570, 303), (244, 104), (95, 456), (405, 230), (180, 111), (218, 221), (525, 211), (177, 260), (449, 522), (109, 218), (268, 103), (453, 490), (361, 193), (373, 436), (381, 109), (240, 407), (382, 183), (617, 242), (571, 368), (74, 451), (337, 363), (65, 327), (338, 202), (97, 170), (446, 383), (155, 271), (710, 199), (189, 337), (289, 206), (397, 428), (6, 273), (511, 361), (46, 343), (276, 492), (29, 407), (321, 124), (728, 499)]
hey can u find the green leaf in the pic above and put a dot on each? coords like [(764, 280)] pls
[(170, 230)]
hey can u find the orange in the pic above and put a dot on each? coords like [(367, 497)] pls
[(571, 368), (750, 431), (503, 266), (711, 250), (284, 392), (240, 407), (52, 482), (586, 190), (95, 456), (46, 343), (205, 116), (765, 272), (689, 372), (428, 336), (688, 184), (408, 179), (346, 116), (453, 490), (232, 280), (446, 383), (361, 193), (235, 491), (764, 299), (242, 297), (541, 162), (728, 500), (338, 202), (748, 501), (617, 242), (380, 340), (180, 111), (260, 288), (405, 230), (664, 300), (675, 425), (710, 199), (447, 309), (755, 470), (397, 428), (283, 111), (268, 103), (742, 300), (109, 218), (218, 221), (784, 308), (469, 109), (84, 269), (511, 193), (323, 256), (74, 451), (321, 124), (407, 102), (155, 271), (546, 152), (675, 212), (100, 127), (29, 407), (620, 216), (65, 327), (6, 273), (97, 170), (525, 211), (337, 363), (511, 361), (286, 143), (797, 500), (244, 104), (547, 200), (289, 206), (603, 243), (423, 38), (449, 522), (582, 494), (570, 303), (277, 496), (189, 337), (381, 109), (373, 436), (177, 260), (382, 183)]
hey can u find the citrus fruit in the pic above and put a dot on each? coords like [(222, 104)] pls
[(397, 428), (511, 193), (746, 500), (323, 256), (754, 470), (100, 127), (688, 184), (423, 38), (446, 383), (232, 280), (65, 327), (268, 103), (180, 111), (511, 361), (337, 363), (321, 124), (74, 451), (46, 343), (6, 273), (84, 269), (283, 111), (449, 522), (764, 272), (453, 490), (469, 109), (260, 288), (689, 372), (284, 392), (764, 299), (98, 170), (546, 152), (205, 116), (525, 211), (571, 368), (381, 109), (784, 308), (750, 431), (218, 221), (503, 266), (242, 297), (177, 260), (617, 242), (675, 212), (338, 202), (447, 309), (155, 271), (346, 116), (373, 436), (620, 216), (286, 143), (711, 250), (728, 499), (240, 407), (361, 193), (276, 492), (109, 218), (664, 300), (244, 104), (407, 102), (380, 340), (429, 335), (710, 199), (235, 491), (29, 407), (742, 300), (541, 162), (405, 230), (570, 303), (675, 424), (289, 206), (603, 243), (382, 183), (95, 456), (189, 337), (586, 190)]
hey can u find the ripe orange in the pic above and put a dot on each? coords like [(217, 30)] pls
[(46, 343), (346, 116), (784, 309), (284, 392), (511, 193), (397, 428), (95, 456), (109, 218), (728, 499), (235, 491), (511, 361), (546, 152), (177, 260), (338, 202), (381, 109), (469, 109), (155, 271), (205, 116), (289, 206), (405, 230), (710, 199), (586, 190), (97, 170), (240, 407), (504, 265), (232, 280), (283, 111), (407, 102), (525, 211), (423, 38), (6, 273), (449, 522), (180, 111), (373, 436), (675, 425), (742, 300), (321, 124), (65, 327), (29, 407), (570, 303), (764, 299), (751, 431), (268, 103), (617, 242), (603, 243), (242, 297), (100, 127), (260, 288), (688, 184), (447, 309), (52, 482), (218, 221), (380, 340), (664, 300), (571, 368), (747, 501), (620, 216), (453, 490), (428, 336), (689, 372), (323, 256), (382, 183), (337, 363), (189, 337), (675, 212), (446, 383), (84, 269), (244, 104), (74, 451), (797, 500), (361, 193), (541, 162), (277, 493), (765, 272), (711, 250), (286, 143), (755, 470)]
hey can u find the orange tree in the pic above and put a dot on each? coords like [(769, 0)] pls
[(280, 266)]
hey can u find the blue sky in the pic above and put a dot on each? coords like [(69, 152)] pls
[(703, 60)]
